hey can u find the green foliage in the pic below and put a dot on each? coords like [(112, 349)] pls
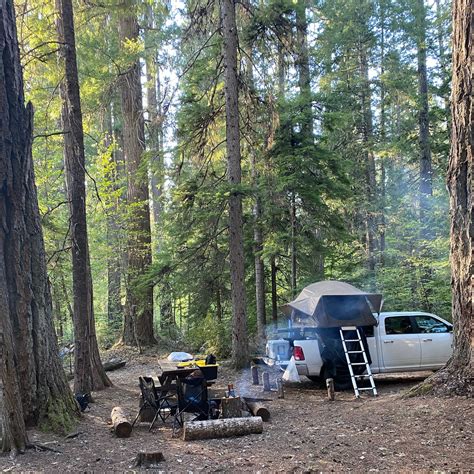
[(324, 173)]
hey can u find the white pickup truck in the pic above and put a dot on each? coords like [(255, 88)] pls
[(401, 341)]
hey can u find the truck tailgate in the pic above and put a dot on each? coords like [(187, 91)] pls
[(312, 363)]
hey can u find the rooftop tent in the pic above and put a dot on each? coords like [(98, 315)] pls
[(330, 304)]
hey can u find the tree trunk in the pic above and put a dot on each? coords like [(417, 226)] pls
[(138, 318), (370, 183), (457, 377), (294, 261), (114, 256), (304, 79), (273, 270), (257, 217), (33, 387), (423, 122), (236, 246), (88, 371), (442, 57), (383, 118), (155, 125)]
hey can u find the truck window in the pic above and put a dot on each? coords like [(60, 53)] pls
[(398, 325), (427, 324)]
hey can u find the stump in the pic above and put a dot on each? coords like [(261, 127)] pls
[(259, 409), (223, 428), (330, 387), (266, 382), (148, 459), (120, 422), (280, 389), (231, 407), (255, 378)]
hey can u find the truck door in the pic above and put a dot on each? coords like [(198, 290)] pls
[(400, 344), (436, 341)]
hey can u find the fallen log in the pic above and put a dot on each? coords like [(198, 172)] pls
[(113, 364), (120, 422), (222, 428), (259, 409)]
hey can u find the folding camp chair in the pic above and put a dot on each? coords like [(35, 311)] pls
[(192, 398), (152, 397)]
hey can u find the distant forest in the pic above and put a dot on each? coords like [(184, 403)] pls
[(334, 168)]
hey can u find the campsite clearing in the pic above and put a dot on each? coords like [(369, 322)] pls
[(307, 433)]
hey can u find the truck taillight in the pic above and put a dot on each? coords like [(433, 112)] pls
[(298, 353)]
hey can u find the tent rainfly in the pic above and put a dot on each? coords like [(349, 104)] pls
[(329, 304)]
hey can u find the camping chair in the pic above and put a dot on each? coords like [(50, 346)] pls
[(192, 398), (152, 398)]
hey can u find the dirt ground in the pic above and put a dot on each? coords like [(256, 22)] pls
[(307, 433)]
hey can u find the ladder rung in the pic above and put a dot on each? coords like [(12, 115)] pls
[(352, 340), (358, 363), (348, 328), (365, 388), (355, 352), (362, 376)]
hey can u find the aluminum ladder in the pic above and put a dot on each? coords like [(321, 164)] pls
[(350, 363)]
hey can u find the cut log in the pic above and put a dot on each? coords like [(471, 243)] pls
[(114, 364), (255, 378), (259, 409), (330, 387), (223, 428), (231, 407), (266, 382), (120, 422), (280, 388), (148, 459)]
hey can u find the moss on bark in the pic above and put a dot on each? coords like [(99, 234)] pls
[(60, 415)]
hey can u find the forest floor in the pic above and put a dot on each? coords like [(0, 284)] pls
[(307, 433)]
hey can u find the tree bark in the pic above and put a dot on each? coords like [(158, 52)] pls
[(88, 371), (234, 173), (138, 318), (33, 387)]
